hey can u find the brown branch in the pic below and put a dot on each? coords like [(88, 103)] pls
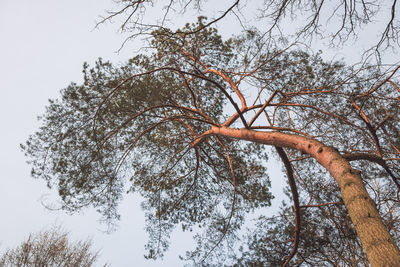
[(133, 143), (186, 82), (380, 84), (201, 76), (235, 116), (390, 141), (212, 164), (232, 84), (131, 118), (118, 87), (369, 127), (389, 26), (138, 137), (213, 21), (395, 85), (221, 74), (262, 108), (113, 14), (383, 120), (321, 205), (178, 159), (239, 111), (296, 203), (319, 110)]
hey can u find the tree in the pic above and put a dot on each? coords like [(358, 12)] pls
[(174, 120), (50, 248), (338, 22)]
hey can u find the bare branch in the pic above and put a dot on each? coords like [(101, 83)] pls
[(296, 203)]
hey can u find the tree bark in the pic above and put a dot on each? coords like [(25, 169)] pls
[(379, 246)]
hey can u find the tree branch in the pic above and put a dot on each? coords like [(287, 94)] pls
[(296, 203)]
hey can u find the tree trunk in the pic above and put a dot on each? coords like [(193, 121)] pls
[(379, 246)]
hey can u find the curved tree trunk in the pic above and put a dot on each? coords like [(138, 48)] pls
[(379, 246)]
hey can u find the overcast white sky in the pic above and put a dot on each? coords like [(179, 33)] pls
[(43, 46)]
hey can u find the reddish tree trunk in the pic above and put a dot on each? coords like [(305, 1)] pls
[(379, 246)]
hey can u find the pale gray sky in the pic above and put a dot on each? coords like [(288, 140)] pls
[(43, 46)]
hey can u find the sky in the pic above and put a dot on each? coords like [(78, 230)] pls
[(43, 46)]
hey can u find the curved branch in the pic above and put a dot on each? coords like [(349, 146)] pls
[(114, 131), (239, 111), (370, 91), (296, 203), (213, 21), (366, 220), (220, 74), (201, 76)]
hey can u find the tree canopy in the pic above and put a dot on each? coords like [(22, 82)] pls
[(166, 125)]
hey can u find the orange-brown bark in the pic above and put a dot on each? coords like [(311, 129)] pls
[(379, 246)]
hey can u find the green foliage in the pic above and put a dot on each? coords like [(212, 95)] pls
[(139, 128), (123, 131)]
